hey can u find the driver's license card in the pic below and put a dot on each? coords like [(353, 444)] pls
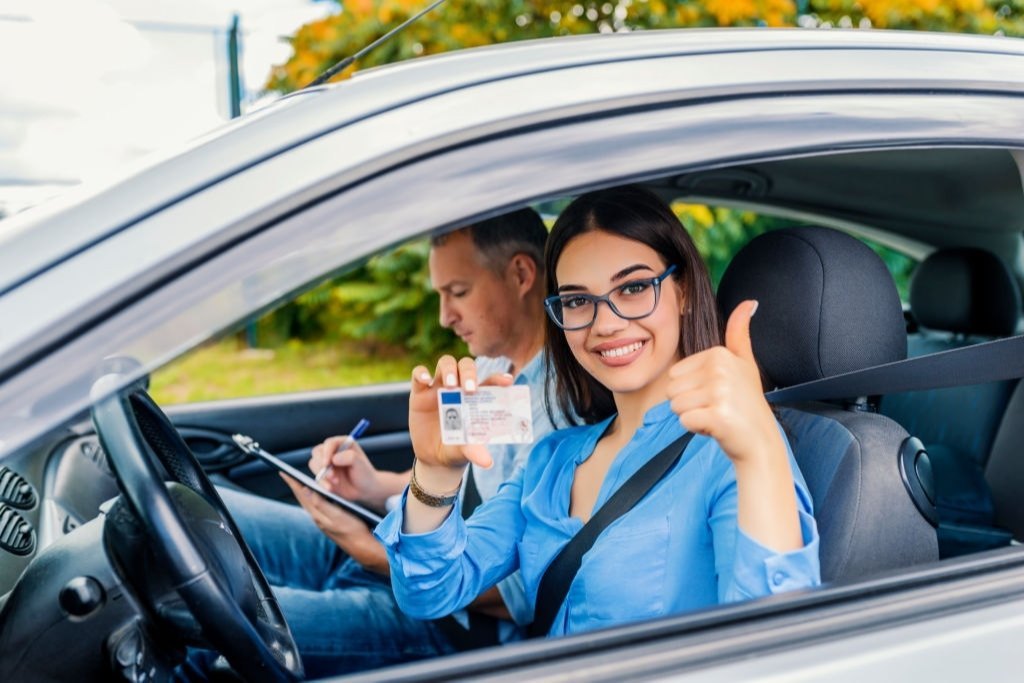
[(488, 415)]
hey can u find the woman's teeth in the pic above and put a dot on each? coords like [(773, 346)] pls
[(621, 350)]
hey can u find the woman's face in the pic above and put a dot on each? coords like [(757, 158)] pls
[(625, 356)]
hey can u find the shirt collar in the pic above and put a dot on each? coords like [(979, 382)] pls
[(531, 370), (658, 413), (655, 415)]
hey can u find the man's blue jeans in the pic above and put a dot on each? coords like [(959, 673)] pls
[(343, 617)]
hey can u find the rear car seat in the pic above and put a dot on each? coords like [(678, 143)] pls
[(959, 297)]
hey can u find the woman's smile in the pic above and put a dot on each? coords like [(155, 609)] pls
[(620, 352)]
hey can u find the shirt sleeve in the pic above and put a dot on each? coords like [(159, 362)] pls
[(441, 571), (746, 569)]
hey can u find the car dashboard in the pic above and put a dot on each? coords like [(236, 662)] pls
[(46, 493)]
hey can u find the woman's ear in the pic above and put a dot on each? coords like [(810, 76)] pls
[(684, 301)]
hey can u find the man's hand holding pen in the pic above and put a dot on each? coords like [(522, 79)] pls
[(349, 473), (346, 444), (342, 467)]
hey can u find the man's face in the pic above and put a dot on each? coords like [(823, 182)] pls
[(479, 305)]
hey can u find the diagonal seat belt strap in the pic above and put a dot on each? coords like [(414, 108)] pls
[(554, 584), (992, 361)]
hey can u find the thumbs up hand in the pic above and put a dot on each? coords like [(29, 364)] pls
[(718, 392)]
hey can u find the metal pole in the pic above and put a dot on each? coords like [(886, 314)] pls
[(234, 73)]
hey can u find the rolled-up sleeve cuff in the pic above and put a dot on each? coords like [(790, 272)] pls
[(513, 592), (446, 542), (761, 571)]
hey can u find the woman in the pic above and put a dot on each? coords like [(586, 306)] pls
[(634, 338)]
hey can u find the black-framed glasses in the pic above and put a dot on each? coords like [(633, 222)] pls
[(630, 300)]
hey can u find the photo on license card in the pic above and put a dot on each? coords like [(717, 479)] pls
[(490, 415)]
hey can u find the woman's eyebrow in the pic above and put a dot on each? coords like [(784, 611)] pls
[(628, 270), (572, 288)]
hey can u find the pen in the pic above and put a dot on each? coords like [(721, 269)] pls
[(349, 441)]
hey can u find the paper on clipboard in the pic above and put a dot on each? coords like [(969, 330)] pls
[(248, 445)]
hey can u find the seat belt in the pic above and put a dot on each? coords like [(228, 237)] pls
[(471, 499), (554, 585), (992, 361)]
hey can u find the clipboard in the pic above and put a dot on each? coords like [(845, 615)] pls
[(249, 445)]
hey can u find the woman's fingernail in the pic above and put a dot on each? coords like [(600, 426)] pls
[(425, 377), (754, 309), (449, 379), (470, 385)]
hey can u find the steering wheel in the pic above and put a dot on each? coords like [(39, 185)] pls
[(195, 545)]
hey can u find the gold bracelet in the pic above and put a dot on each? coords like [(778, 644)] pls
[(429, 499)]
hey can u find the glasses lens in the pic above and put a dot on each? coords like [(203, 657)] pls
[(573, 311), (635, 299)]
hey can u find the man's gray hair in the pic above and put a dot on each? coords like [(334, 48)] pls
[(500, 238)]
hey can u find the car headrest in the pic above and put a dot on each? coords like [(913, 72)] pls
[(827, 304), (966, 290)]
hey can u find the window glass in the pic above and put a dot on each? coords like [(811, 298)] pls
[(370, 325), (720, 232), (374, 323)]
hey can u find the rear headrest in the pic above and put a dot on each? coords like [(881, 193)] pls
[(965, 290), (828, 304)]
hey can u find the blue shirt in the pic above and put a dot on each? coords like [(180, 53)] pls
[(679, 549)]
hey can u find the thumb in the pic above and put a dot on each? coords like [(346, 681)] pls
[(737, 330), (478, 454)]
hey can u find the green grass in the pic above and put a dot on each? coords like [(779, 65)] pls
[(226, 369)]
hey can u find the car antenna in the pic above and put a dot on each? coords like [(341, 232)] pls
[(340, 66)]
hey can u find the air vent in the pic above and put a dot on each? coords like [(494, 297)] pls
[(16, 534), (15, 490)]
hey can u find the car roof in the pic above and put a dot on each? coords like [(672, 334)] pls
[(36, 240)]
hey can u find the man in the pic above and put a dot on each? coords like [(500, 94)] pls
[(331, 578)]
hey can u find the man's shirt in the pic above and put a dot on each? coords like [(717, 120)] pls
[(507, 457)]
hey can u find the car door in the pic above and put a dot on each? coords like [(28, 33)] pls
[(290, 425)]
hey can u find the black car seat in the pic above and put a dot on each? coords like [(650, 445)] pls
[(828, 305), (958, 297), (1004, 470)]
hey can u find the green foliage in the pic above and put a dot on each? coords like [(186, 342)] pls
[(385, 302), (720, 232), (900, 265), (459, 24)]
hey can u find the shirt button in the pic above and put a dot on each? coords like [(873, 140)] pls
[(778, 578)]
